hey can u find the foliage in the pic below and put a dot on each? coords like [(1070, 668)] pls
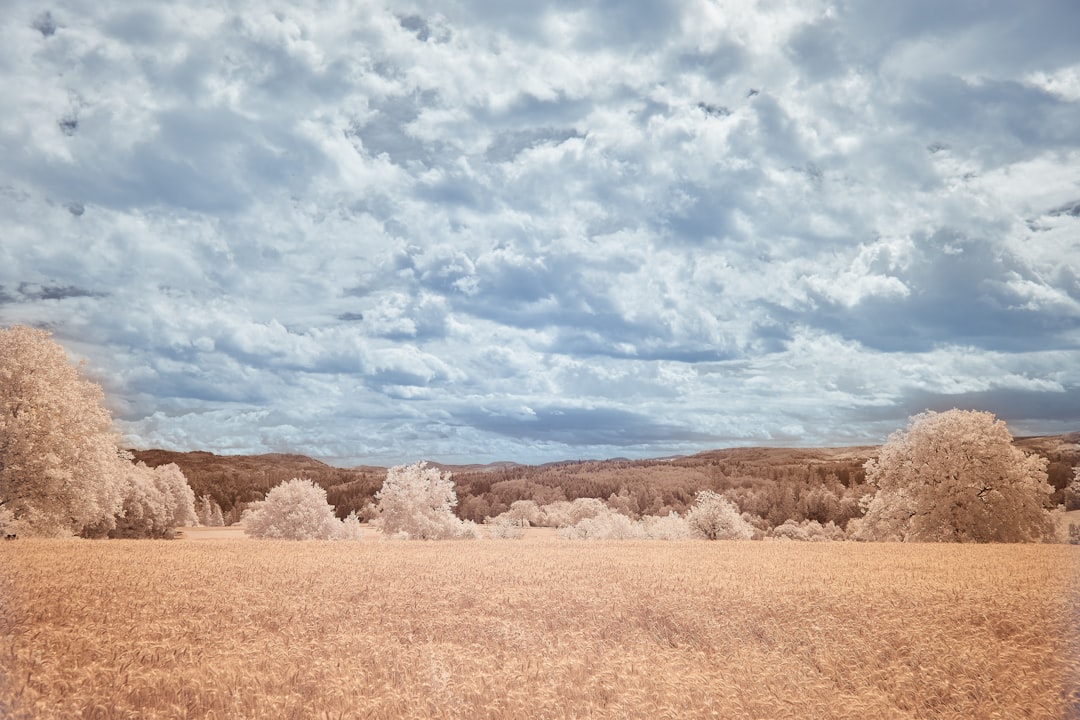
[(350, 528), (504, 528), (60, 471), (417, 502), (297, 510), (1072, 491), (564, 513), (714, 518), (613, 525), (156, 500), (608, 525), (956, 477), (669, 527), (770, 486), (209, 512), (807, 531)]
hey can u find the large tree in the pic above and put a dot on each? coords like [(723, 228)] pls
[(59, 466), (417, 502), (956, 477), (156, 500)]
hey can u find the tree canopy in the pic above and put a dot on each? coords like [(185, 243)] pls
[(956, 477), (298, 510), (417, 502), (60, 469)]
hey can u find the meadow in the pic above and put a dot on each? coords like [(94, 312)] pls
[(538, 628)]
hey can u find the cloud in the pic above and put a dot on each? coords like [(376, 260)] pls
[(377, 233)]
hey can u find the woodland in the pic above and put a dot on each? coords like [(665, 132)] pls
[(776, 484)]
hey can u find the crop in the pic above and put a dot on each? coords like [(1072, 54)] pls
[(537, 628)]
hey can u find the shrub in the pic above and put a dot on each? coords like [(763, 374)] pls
[(564, 513), (608, 525), (669, 527), (296, 510), (807, 531), (504, 528), (713, 518)]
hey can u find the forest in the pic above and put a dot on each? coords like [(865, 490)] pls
[(776, 484)]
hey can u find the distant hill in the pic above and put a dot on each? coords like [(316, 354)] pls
[(783, 476), (234, 480)]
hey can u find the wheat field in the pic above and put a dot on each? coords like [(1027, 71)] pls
[(537, 629)]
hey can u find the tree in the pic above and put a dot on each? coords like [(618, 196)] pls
[(297, 510), (60, 470), (502, 527), (1072, 491), (668, 527), (712, 517), (524, 513), (956, 477), (417, 502), (156, 500), (608, 525), (209, 512), (565, 513)]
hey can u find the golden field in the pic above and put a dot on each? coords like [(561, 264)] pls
[(538, 628)]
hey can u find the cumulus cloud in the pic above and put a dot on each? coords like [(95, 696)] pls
[(379, 232)]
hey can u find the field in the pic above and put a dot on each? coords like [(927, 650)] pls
[(540, 628)]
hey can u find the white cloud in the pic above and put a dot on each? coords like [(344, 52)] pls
[(478, 232)]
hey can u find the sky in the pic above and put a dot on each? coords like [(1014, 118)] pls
[(378, 232)]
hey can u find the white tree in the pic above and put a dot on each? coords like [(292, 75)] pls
[(59, 467), (209, 512), (1072, 494), (613, 525), (502, 527), (668, 527), (564, 513), (156, 500), (956, 477), (350, 528), (524, 513), (807, 531), (417, 502), (713, 517), (296, 510)]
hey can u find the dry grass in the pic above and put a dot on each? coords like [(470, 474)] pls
[(537, 629)]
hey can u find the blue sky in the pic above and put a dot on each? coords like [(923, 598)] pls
[(477, 231)]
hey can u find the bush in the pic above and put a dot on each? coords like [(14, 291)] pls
[(714, 518), (564, 513), (608, 525), (504, 528), (209, 512), (297, 510), (807, 531), (670, 527)]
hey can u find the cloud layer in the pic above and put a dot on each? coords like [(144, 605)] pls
[(463, 231)]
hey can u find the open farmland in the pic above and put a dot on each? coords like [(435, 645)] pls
[(537, 628)]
